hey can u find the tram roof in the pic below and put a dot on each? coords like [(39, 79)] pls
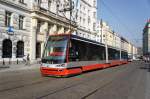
[(86, 40), (76, 37)]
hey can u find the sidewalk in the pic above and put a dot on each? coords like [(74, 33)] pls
[(147, 91), (15, 67)]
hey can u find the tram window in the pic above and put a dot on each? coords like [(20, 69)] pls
[(94, 52), (73, 52), (83, 51), (55, 50), (81, 47)]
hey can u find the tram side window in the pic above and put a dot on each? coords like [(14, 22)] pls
[(82, 51), (94, 52), (77, 51), (73, 52), (124, 55)]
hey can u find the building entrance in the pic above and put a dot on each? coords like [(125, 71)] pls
[(7, 48)]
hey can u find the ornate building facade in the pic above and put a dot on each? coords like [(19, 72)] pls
[(15, 28), (86, 19), (48, 17), (26, 24)]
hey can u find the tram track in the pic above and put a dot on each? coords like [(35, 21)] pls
[(24, 85), (18, 76), (105, 85), (77, 84), (29, 84), (17, 80), (70, 82)]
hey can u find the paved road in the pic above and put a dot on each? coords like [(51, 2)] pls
[(130, 81)]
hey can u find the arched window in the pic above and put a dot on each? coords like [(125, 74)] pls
[(7, 48), (20, 49)]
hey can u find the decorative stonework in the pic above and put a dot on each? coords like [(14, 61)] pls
[(18, 35)]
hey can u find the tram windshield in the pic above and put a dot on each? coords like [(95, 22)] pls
[(55, 50)]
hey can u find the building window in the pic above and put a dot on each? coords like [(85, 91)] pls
[(7, 18), (94, 26), (49, 5), (21, 1), (84, 8), (7, 48), (80, 20), (20, 49), (88, 12), (94, 14), (94, 3), (38, 1), (89, 20), (21, 19), (83, 21)]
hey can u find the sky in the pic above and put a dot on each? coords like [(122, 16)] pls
[(126, 17)]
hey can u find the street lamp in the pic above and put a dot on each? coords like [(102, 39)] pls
[(106, 46)]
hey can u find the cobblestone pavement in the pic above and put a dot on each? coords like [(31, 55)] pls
[(130, 81)]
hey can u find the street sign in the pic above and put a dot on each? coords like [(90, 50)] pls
[(10, 30)]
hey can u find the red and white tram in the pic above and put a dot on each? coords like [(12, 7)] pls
[(66, 55)]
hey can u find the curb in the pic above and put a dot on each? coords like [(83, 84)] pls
[(4, 66)]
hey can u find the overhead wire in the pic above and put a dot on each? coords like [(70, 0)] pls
[(118, 20)]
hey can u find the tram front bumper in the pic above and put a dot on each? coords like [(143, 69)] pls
[(59, 72)]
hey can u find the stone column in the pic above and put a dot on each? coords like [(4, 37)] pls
[(33, 39), (53, 29), (42, 48), (14, 48), (45, 31), (61, 30), (45, 37)]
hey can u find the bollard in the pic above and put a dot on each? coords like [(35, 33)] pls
[(3, 62), (9, 61), (17, 61)]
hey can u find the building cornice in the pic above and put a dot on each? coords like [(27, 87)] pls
[(81, 29), (55, 18)]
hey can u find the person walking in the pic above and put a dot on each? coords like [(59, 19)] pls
[(28, 60)]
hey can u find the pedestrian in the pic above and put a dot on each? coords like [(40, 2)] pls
[(148, 59), (28, 60), (145, 58)]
